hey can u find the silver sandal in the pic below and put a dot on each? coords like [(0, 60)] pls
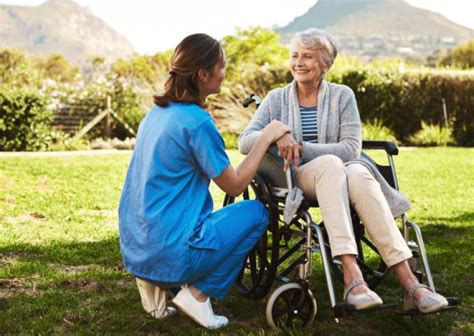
[(361, 301), (429, 303)]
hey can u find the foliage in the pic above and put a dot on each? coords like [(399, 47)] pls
[(460, 57), (403, 98), (230, 140), (61, 269), (115, 143), (57, 68), (398, 95), (375, 130), (61, 141), (24, 121), (254, 47), (432, 135), (17, 69)]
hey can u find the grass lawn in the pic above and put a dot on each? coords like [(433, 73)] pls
[(61, 271)]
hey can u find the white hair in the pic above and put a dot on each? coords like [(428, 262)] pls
[(320, 41)]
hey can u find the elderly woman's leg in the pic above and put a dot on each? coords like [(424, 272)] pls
[(367, 198), (325, 179)]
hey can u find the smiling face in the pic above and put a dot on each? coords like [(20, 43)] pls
[(212, 82), (305, 64)]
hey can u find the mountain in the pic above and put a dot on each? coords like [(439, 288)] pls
[(380, 27), (60, 26)]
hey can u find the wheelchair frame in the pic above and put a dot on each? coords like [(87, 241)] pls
[(313, 239)]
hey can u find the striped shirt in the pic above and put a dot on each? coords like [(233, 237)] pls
[(309, 123)]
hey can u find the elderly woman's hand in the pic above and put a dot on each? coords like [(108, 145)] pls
[(275, 130), (288, 149)]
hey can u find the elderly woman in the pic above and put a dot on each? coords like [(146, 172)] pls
[(326, 135)]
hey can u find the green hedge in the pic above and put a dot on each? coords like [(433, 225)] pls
[(403, 100), (24, 121)]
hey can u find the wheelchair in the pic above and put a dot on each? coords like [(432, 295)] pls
[(285, 252)]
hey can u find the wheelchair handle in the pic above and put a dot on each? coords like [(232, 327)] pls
[(249, 100), (388, 146)]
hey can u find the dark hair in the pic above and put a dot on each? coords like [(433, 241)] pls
[(195, 52)]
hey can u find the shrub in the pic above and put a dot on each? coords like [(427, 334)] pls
[(403, 99), (17, 69), (24, 121), (230, 140), (432, 135), (115, 143), (375, 130), (462, 56), (61, 141)]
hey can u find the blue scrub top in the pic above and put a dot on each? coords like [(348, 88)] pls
[(166, 197)]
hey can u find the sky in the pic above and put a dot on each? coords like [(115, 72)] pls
[(157, 25)]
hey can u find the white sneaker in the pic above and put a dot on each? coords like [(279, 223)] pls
[(154, 300), (201, 312)]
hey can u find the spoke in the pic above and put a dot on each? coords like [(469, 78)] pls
[(279, 313), (299, 299), (303, 316), (287, 298), (289, 320), (253, 267)]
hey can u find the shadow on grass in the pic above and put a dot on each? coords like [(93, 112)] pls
[(465, 218), (55, 295)]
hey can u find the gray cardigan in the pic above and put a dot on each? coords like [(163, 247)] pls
[(339, 130)]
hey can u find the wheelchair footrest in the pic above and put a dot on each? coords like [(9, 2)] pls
[(343, 310), (453, 303)]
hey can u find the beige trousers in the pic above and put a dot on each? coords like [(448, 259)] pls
[(334, 185)]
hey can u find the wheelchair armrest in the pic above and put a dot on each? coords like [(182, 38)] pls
[(388, 146)]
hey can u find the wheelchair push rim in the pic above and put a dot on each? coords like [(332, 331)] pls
[(258, 272)]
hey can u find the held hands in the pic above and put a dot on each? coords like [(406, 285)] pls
[(280, 133), (275, 130)]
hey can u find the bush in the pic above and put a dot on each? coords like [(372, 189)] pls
[(374, 130), (461, 57), (403, 99), (432, 135), (17, 69), (61, 141), (230, 140), (115, 143), (24, 121)]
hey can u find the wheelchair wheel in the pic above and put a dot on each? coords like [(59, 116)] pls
[(258, 272), (291, 305)]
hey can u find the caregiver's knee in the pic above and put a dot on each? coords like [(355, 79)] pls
[(256, 212)]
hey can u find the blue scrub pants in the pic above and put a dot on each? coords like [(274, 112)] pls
[(239, 226)]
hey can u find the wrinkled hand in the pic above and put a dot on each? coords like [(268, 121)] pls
[(288, 149)]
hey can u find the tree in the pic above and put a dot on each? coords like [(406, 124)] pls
[(57, 67), (462, 56), (16, 68), (256, 46)]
